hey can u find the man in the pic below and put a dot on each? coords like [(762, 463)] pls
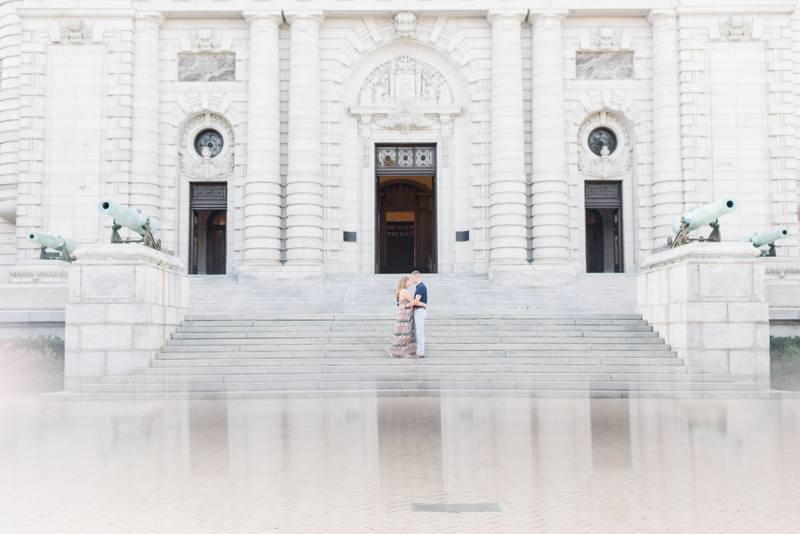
[(420, 296)]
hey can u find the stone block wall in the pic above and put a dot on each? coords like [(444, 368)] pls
[(708, 301), (124, 303)]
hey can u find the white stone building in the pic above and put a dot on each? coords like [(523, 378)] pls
[(530, 140)]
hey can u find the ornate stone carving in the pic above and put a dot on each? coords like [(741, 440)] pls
[(208, 168), (76, 32), (39, 271), (607, 38), (405, 79), (735, 28), (404, 24), (603, 166), (205, 41), (606, 164), (366, 149), (405, 115), (204, 166)]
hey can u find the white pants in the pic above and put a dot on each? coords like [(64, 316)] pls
[(419, 329)]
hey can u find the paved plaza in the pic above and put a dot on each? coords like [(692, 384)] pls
[(358, 464)]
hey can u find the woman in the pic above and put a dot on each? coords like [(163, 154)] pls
[(404, 343)]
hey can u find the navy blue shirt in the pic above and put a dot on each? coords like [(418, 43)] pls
[(423, 292)]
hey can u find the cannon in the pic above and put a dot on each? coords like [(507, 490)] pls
[(767, 238), (65, 246), (131, 219), (696, 218)]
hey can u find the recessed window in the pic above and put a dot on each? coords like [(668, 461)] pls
[(210, 139), (601, 137)]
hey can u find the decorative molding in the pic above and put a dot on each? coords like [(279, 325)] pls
[(723, 251), (39, 272), (404, 24), (75, 32), (128, 253)]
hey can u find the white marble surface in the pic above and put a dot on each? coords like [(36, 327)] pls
[(207, 68), (604, 65), (297, 466)]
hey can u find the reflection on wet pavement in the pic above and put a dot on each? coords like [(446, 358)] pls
[(357, 465)]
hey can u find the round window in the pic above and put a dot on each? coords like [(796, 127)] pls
[(210, 139), (601, 137)]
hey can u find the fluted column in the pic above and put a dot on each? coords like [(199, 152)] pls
[(304, 178), (10, 43), (262, 233), (667, 190), (145, 187), (549, 191), (507, 188)]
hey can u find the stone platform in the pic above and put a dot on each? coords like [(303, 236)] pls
[(330, 339)]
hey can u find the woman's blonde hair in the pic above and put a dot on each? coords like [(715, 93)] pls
[(401, 285)]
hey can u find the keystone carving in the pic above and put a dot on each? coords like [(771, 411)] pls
[(607, 38), (75, 32), (404, 24), (205, 41), (735, 28)]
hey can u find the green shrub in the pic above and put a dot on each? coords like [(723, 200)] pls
[(785, 362), (31, 365)]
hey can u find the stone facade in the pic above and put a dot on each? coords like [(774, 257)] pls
[(107, 99)]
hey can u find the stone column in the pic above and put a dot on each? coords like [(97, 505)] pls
[(667, 189), (262, 233), (708, 301), (304, 178), (10, 44), (145, 188), (549, 192), (507, 188)]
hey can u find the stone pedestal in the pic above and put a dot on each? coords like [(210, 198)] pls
[(124, 303), (708, 301)]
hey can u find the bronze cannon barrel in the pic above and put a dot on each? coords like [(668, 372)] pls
[(126, 217), (767, 238), (706, 215), (52, 242)]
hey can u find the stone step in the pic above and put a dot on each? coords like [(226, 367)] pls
[(417, 385), (439, 335), (202, 367), (243, 360), (195, 321), (499, 339), (232, 352), (417, 377), (433, 329), (438, 348)]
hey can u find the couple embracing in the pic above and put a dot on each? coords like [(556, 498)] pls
[(409, 332)]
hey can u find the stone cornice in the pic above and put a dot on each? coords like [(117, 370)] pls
[(742, 252), (127, 253)]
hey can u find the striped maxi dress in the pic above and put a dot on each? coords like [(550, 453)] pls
[(404, 342)]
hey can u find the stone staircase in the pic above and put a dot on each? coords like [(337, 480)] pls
[(331, 339)]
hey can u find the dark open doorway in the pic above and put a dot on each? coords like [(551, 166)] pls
[(405, 191), (207, 248), (603, 201)]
